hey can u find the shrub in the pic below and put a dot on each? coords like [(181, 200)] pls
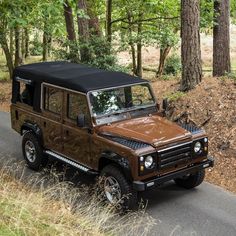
[(100, 54), (172, 65), (174, 96), (36, 48)]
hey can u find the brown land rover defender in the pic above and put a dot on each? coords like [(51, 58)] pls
[(104, 123)]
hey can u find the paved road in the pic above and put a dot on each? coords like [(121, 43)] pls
[(207, 210)]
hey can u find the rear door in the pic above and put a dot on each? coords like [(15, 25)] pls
[(51, 122), (76, 141)]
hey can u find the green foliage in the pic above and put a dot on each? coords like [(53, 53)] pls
[(36, 48), (99, 51), (174, 96), (172, 65), (231, 75)]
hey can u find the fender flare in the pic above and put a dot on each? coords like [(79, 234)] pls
[(29, 126), (121, 162)]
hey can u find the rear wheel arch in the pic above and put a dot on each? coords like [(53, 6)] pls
[(34, 128)]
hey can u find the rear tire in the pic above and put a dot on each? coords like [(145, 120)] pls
[(116, 189), (33, 151), (191, 181)]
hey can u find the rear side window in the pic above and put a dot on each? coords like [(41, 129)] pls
[(25, 92), (53, 100)]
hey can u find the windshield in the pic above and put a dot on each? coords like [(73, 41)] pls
[(118, 100)]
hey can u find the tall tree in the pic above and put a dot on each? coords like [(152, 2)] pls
[(83, 29), (18, 57), (108, 20), (190, 45), (139, 71), (221, 38), (68, 13)]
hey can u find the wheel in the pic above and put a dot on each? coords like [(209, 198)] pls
[(192, 180), (33, 152), (116, 189)]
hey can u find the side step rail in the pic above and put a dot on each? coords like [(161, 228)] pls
[(70, 162)]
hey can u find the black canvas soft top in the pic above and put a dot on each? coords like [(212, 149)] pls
[(78, 77)]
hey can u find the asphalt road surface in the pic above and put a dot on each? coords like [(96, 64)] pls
[(206, 210)]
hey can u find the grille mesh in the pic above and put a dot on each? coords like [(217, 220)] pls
[(174, 156), (127, 142), (190, 127)]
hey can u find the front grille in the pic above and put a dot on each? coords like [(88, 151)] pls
[(172, 157), (133, 144)]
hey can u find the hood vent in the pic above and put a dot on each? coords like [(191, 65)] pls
[(127, 142), (190, 127)]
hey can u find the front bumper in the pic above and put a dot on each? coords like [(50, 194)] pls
[(144, 185)]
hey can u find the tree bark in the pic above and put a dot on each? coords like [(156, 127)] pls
[(46, 41), (190, 45), (139, 71), (23, 45), (83, 29), (26, 43), (131, 43), (11, 47), (8, 55), (108, 21), (163, 55), (221, 38), (68, 13), (18, 59)]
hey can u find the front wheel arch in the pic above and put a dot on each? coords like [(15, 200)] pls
[(116, 160)]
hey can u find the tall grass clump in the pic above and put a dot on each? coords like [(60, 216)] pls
[(42, 204)]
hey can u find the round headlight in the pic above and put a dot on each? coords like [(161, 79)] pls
[(197, 147), (148, 161)]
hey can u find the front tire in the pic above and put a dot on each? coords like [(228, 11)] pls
[(191, 181), (116, 189), (33, 151)]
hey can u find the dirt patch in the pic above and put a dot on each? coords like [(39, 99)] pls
[(5, 96), (213, 105)]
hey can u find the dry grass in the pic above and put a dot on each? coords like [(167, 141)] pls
[(33, 205)]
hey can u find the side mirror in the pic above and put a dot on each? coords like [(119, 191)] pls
[(81, 120), (165, 104)]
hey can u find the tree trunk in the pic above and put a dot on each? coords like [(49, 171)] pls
[(131, 43), (221, 38), (69, 21), (163, 55), (23, 45), (108, 21), (83, 29), (18, 59), (94, 24), (46, 41), (139, 71), (11, 47), (26, 43), (8, 55), (190, 45)]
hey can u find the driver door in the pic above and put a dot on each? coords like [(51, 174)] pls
[(76, 140)]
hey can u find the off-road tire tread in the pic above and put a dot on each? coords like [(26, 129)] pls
[(192, 181), (126, 188), (41, 159)]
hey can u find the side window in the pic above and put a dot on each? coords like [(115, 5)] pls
[(53, 100), (26, 93), (77, 104)]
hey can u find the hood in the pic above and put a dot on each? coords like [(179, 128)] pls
[(153, 130)]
